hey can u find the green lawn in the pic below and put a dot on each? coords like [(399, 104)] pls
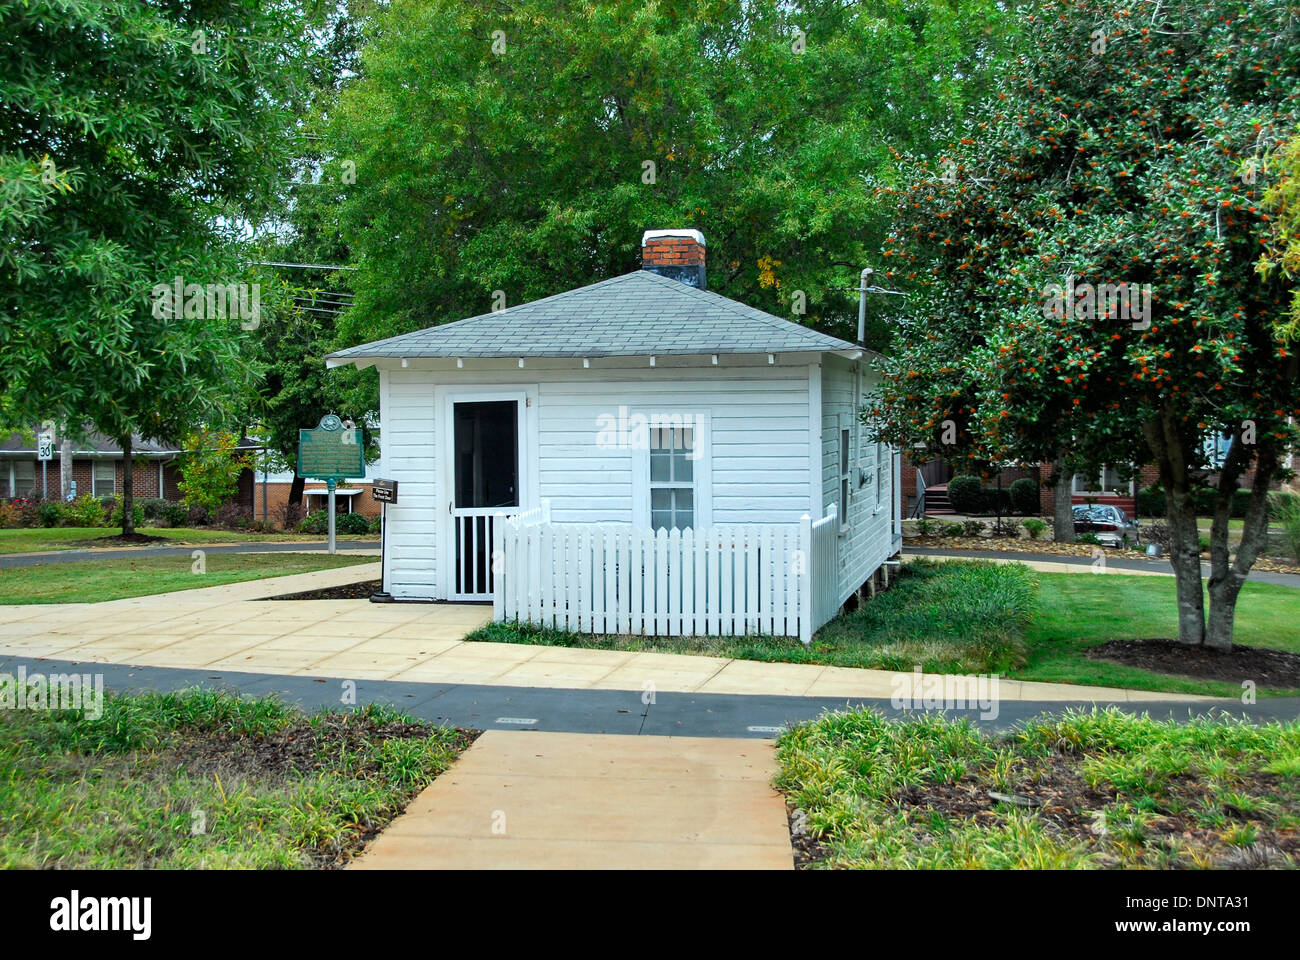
[(39, 539), (207, 780), (978, 617), (1077, 611), (946, 617), (90, 581), (1090, 790)]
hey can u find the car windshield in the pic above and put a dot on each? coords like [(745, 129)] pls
[(1093, 513)]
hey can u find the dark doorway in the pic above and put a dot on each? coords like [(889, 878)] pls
[(486, 444)]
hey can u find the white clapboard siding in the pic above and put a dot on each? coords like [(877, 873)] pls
[(732, 580)]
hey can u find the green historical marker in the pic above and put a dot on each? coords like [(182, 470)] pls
[(331, 452)]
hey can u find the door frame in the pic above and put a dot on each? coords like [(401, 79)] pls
[(445, 399)]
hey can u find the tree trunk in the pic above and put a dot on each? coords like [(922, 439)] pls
[(1062, 514), (295, 491), (65, 469), (128, 489), (1226, 578), (1168, 445)]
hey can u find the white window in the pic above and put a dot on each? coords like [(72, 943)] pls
[(844, 476), (882, 475), (23, 479), (104, 478), (671, 473), (672, 478), (1106, 480)]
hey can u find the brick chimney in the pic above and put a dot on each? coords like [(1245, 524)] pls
[(676, 254)]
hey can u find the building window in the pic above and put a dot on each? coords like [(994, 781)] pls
[(882, 475), (21, 478), (672, 478), (104, 478), (1106, 480), (844, 477)]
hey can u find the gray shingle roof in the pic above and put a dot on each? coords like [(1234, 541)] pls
[(637, 314)]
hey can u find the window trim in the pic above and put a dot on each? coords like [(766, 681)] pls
[(844, 471), (95, 481), (702, 468)]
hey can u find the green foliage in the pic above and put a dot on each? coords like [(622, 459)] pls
[(51, 513), (1024, 496), (1286, 514), (376, 525), (316, 522), (176, 516), (525, 170), (210, 468), (1035, 527), (85, 511), (155, 508), (965, 494), (1088, 538), (352, 523), (137, 511), (137, 140), (1155, 794), (1282, 250)]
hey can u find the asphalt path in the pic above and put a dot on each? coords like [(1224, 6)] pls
[(162, 550), (631, 712)]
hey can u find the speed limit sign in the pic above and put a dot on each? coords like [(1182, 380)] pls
[(45, 447)]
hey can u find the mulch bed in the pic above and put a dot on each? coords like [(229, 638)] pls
[(1267, 668), (349, 591), (1070, 809), (1026, 545), (300, 750), (118, 540)]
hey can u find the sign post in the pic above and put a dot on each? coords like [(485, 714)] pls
[(331, 452), (45, 453), (384, 492)]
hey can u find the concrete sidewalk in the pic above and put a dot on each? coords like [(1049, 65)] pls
[(582, 801), (227, 628)]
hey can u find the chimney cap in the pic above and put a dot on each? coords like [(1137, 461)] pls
[(695, 235)]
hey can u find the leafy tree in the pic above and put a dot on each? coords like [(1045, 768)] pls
[(138, 141), (210, 469), (1121, 148), (524, 147), (1283, 242)]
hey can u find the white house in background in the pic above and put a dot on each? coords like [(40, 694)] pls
[(638, 455)]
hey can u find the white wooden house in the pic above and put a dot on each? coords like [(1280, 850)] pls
[(637, 455)]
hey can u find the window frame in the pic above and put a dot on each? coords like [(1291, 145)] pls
[(701, 468), (95, 479)]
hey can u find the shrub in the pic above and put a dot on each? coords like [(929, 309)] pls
[(318, 521), (925, 526), (1005, 528), (1286, 513), (1088, 538), (972, 528), (352, 523), (376, 524), (176, 515), (1151, 502), (51, 513), (85, 511), (210, 469), (289, 516), (154, 508), (965, 494), (1034, 527), (198, 515), (1024, 496), (232, 516), (10, 516), (951, 530), (137, 512), (1160, 533)]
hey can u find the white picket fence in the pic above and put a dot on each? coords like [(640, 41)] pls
[(773, 579)]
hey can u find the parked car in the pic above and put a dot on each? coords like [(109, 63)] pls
[(1110, 525)]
